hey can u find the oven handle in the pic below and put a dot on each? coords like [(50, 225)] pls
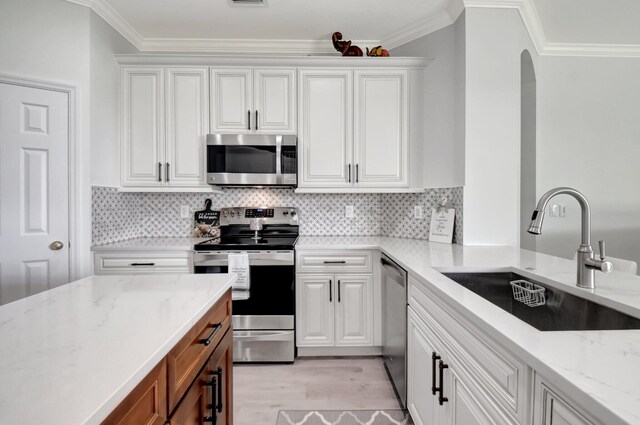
[(262, 336), (255, 259), (251, 263)]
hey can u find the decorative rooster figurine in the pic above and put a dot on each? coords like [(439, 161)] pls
[(345, 47)]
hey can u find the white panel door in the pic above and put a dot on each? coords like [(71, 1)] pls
[(187, 115), (143, 127), (354, 310), (315, 296), (275, 100), (231, 100), (381, 128), (557, 412), (34, 185), (421, 402), (325, 120)]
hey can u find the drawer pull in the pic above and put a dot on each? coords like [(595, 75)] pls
[(330, 290), (142, 264), (207, 340), (339, 300), (434, 388), (441, 399), (214, 389), (335, 262), (218, 405)]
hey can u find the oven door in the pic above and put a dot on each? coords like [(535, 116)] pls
[(271, 301)]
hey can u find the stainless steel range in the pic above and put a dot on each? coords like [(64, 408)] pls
[(264, 317)]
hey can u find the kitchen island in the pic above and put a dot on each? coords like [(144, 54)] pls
[(72, 354)]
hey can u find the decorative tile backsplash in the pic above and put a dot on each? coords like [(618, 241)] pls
[(119, 216)]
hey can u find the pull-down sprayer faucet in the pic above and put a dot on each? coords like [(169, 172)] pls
[(587, 264)]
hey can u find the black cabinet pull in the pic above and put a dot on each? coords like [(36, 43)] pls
[(248, 120), (330, 291), (166, 177), (160, 171), (218, 374), (349, 173), (441, 399), (256, 119), (434, 388), (142, 264), (207, 340), (339, 291), (357, 173), (335, 262), (214, 389)]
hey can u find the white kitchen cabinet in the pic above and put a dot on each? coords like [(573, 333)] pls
[(551, 408), (354, 136), (381, 128), (142, 262), (253, 100), (315, 310), (164, 124), (334, 310)]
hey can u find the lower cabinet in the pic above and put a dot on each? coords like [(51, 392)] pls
[(550, 408), (193, 384), (334, 310)]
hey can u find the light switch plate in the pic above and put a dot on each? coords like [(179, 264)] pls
[(417, 211), (184, 211), (349, 211)]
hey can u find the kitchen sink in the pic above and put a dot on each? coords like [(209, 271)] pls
[(562, 311)]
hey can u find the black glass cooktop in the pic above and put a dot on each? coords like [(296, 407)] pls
[(247, 243)]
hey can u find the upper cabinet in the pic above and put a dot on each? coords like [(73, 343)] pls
[(164, 124), (253, 100), (355, 130)]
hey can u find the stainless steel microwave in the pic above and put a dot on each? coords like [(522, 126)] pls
[(252, 160)]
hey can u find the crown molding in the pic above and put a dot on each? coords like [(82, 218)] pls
[(592, 50), (113, 18), (440, 20)]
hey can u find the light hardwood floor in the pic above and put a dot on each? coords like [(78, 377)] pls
[(260, 391)]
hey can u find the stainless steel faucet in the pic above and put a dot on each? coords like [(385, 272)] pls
[(587, 264)]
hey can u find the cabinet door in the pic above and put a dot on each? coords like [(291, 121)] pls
[(551, 409), (463, 406), (315, 296), (143, 127), (274, 100), (222, 367), (187, 117), (381, 128), (325, 108), (421, 402), (231, 100), (354, 310)]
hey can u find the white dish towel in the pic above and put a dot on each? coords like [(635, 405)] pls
[(239, 264)]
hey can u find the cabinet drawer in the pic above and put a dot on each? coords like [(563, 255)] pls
[(142, 263), (497, 372), (186, 359), (336, 261), (146, 404)]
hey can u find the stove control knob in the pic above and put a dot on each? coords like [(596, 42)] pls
[(293, 213), (285, 213), (233, 213), (226, 213)]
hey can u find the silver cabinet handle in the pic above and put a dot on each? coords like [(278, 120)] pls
[(160, 171), (56, 246), (166, 177)]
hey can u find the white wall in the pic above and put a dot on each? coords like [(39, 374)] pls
[(495, 39), (443, 164), (104, 77), (52, 40), (589, 138)]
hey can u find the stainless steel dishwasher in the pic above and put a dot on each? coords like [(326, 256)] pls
[(394, 316)]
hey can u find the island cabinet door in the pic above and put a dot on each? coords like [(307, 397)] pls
[(146, 404), (208, 400)]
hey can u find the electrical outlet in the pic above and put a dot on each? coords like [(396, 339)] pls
[(563, 210), (349, 211), (184, 211), (417, 211)]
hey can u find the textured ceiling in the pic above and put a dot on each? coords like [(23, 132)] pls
[(278, 19)]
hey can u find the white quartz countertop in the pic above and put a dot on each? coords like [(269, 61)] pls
[(71, 354), (588, 366), (150, 244)]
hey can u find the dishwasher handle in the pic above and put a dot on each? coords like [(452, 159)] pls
[(394, 269)]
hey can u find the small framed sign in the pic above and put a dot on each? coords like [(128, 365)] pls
[(442, 220)]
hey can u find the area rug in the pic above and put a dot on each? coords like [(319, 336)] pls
[(343, 417)]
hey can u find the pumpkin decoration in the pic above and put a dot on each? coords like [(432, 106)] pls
[(345, 47)]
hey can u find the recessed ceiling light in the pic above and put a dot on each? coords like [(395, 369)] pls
[(247, 2)]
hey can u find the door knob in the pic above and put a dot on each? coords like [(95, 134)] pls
[(56, 246)]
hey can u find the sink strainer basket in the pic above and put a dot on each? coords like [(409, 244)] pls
[(528, 293)]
